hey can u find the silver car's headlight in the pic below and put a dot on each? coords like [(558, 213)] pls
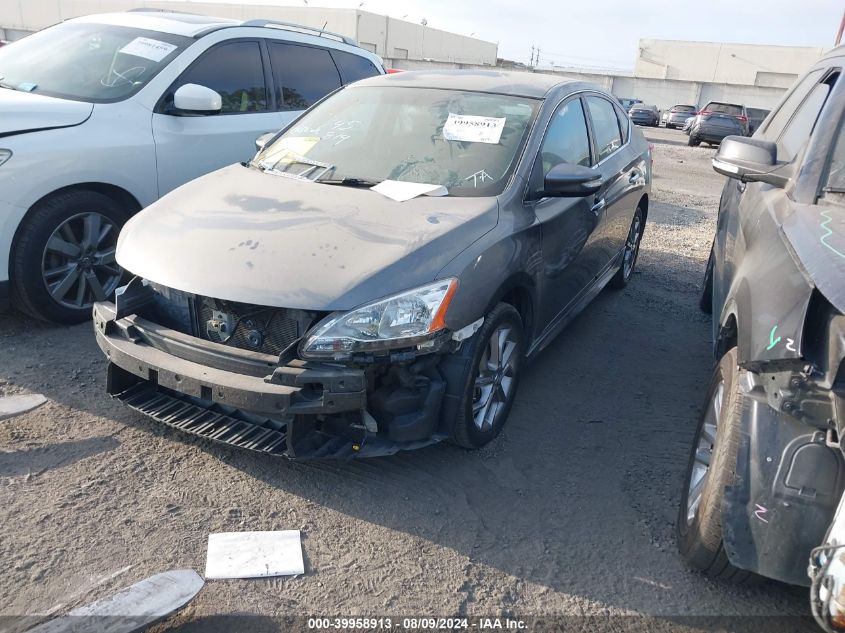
[(5, 154), (407, 319)]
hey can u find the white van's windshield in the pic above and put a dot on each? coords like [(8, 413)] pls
[(468, 142), (99, 63)]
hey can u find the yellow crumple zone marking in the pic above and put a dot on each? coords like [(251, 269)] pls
[(828, 232)]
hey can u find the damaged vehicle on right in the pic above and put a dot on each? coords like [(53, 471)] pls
[(766, 471)]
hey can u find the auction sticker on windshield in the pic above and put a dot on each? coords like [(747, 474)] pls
[(154, 50), (473, 129)]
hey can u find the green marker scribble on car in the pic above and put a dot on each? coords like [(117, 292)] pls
[(828, 233), (772, 340)]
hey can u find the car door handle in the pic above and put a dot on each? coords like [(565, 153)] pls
[(634, 177), (599, 206)]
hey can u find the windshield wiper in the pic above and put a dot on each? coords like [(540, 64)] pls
[(348, 182)]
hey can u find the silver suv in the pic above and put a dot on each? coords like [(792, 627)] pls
[(135, 105)]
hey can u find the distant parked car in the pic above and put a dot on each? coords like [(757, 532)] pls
[(642, 114), (755, 117), (628, 103), (712, 127), (734, 110), (677, 115), (134, 105)]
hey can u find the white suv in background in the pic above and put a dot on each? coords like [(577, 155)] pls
[(102, 115)]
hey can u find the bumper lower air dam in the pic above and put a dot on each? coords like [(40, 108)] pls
[(300, 410)]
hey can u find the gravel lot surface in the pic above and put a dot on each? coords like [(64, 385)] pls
[(570, 511)]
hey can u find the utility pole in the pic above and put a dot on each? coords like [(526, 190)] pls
[(531, 63), (538, 57)]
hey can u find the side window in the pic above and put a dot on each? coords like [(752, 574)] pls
[(801, 125), (778, 122), (303, 74), (836, 171), (235, 71), (353, 67), (623, 123), (566, 140), (605, 126)]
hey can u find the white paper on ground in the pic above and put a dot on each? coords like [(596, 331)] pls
[(401, 191), (154, 50), (474, 129), (254, 554), (10, 406)]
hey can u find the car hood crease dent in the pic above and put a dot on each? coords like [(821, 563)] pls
[(25, 112), (242, 235), (816, 236)]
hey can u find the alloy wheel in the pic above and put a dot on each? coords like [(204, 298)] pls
[(495, 379), (704, 452), (632, 246), (78, 265)]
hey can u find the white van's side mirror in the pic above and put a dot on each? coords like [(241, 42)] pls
[(196, 98)]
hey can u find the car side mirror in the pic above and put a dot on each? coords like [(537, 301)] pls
[(196, 98), (569, 181), (261, 141), (749, 160)]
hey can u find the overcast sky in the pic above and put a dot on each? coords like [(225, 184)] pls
[(604, 33)]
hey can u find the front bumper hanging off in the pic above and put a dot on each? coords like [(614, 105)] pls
[(301, 410)]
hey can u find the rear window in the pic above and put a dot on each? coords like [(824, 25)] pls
[(354, 67), (683, 108), (724, 108), (305, 74)]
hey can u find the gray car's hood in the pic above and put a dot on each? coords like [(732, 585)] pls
[(243, 235), (25, 112)]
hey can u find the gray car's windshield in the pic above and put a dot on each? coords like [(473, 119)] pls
[(468, 142), (87, 62)]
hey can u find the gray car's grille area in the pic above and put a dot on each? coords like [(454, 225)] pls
[(266, 330)]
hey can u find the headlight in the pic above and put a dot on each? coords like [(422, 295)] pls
[(403, 320), (5, 154)]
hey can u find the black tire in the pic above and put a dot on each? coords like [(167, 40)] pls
[(466, 432), (699, 532), (670, 127), (632, 250), (705, 302), (30, 289), (693, 141)]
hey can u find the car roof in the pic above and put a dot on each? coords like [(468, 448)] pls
[(186, 24), (517, 84), (195, 26)]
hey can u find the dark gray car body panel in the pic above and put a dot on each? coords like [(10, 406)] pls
[(779, 296)]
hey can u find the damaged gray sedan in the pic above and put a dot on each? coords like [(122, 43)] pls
[(376, 278)]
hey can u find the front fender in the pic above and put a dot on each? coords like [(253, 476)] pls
[(788, 483)]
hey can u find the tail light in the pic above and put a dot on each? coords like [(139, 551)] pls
[(742, 118), (392, 71)]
